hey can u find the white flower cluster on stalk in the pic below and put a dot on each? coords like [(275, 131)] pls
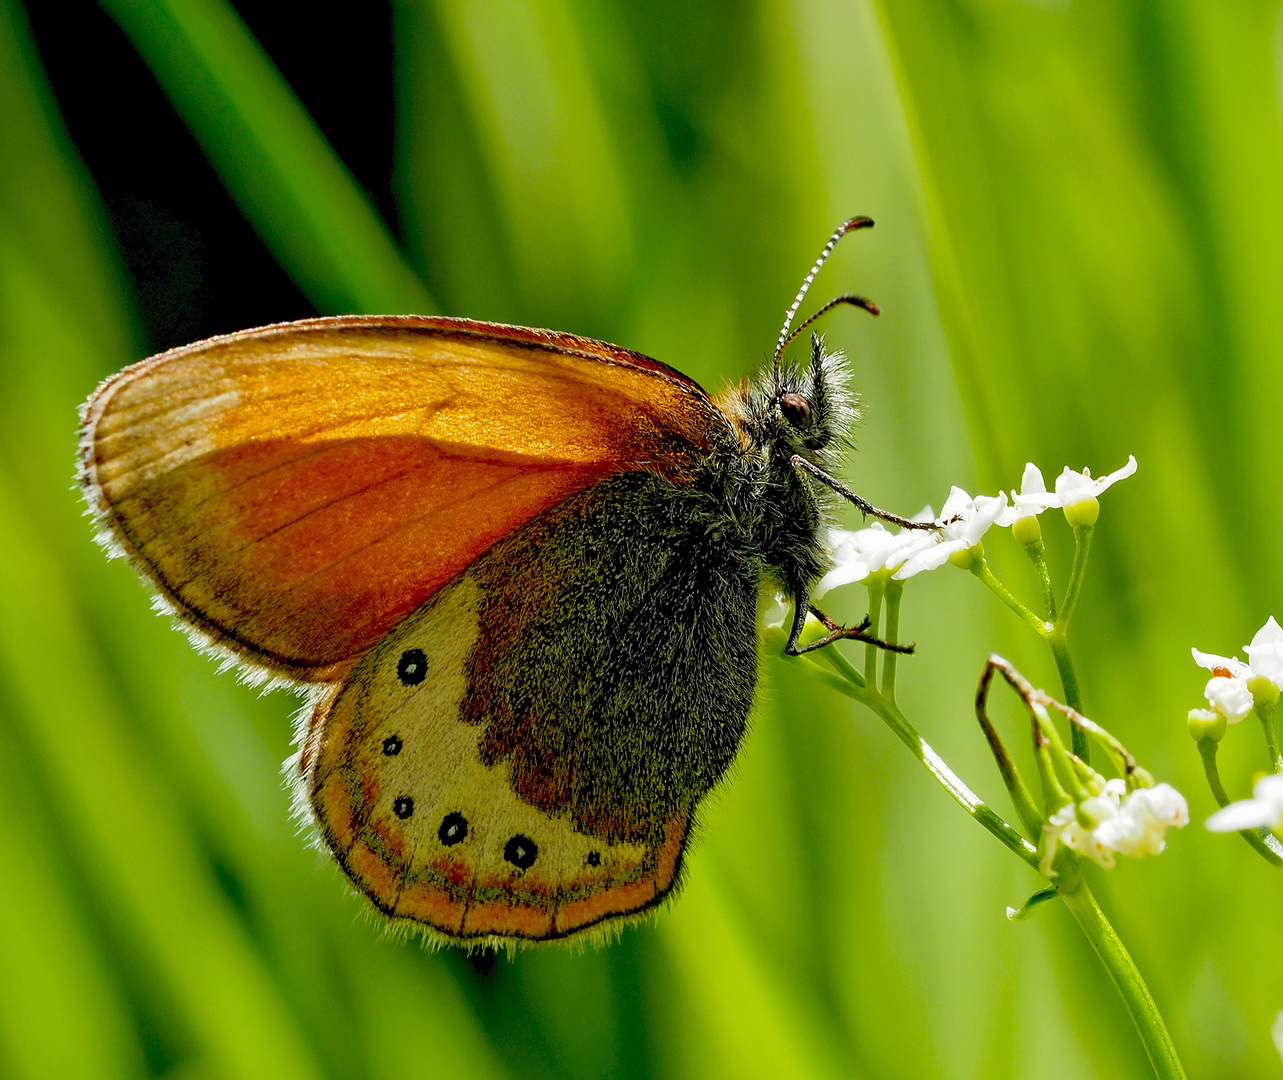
[(1235, 689), (961, 526), (1113, 823), (1235, 686)]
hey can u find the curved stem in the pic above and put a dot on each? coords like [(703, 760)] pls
[(1082, 547), (981, 569), (889, 712), (1127, 978), (1266, 716), (1263, 842), (1021, 799)]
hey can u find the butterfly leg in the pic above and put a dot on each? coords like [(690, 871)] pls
[(836, 632)]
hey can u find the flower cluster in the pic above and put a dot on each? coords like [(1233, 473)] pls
[(961, 526), (1112, 822), (1235, 687)]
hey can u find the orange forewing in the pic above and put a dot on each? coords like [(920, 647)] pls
[(295, 491)]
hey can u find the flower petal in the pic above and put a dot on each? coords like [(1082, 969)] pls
[(1230, 697), (1072, 487), (1211, 662), (1245, 814), (929, 557), (1266, 652)]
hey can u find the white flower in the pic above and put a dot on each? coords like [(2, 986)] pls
[(1229, 696), (1134, 825), (1075, 487), (1266, 652), (1140, 826), (858, 554), (963, 521), (1063, 827), (1032, 499), (1227, 690), (1264, 808)]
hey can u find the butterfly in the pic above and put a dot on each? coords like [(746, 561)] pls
[(515, 572)]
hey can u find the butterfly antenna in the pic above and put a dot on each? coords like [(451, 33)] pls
[(846, 227), (849, 298)]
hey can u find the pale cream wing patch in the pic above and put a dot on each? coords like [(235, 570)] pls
[(431, 834)]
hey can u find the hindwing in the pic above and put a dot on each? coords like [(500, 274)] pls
[(523, 756)]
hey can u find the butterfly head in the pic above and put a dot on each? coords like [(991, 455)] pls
[(805, 409), (812, 409)]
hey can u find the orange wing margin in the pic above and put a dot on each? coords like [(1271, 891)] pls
[(294, 491)]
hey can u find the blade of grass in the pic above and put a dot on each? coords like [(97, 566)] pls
[(134, 848), (284, 176)]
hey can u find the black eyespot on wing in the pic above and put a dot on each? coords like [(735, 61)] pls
[(454, 829), (796, 410), (594, 858), (391, 746), (521, 851), (412, 668), (403, 807)]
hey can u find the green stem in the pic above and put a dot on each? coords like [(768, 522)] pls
[(1037, 552), (1058, 640), (895, 590), (1127, 978), (1078, 898), (1264, 842), (981, 569), (1065, 772), (1021, 799), (889, 712), (1069, 682), (1082, 547), (876, 589), (1271, 736)]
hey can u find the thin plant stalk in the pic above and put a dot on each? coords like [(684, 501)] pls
[(1264, 842), (1127, 978)]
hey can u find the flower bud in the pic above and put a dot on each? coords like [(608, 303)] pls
[(1265, 692), (1026, 530), (1083, 512), (968, 557), (1207, 724)]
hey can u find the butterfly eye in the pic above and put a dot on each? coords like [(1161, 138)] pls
[(796, 410)]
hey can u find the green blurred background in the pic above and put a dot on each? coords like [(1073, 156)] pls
[(1079, 254)]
